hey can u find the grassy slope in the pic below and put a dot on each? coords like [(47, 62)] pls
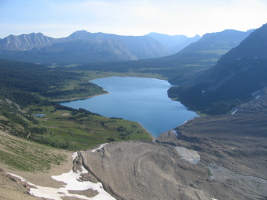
[(74, 130), (67, 128), (26, 155)]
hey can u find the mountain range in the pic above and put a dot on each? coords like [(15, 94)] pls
[(172, 43), (204, 53), (84, 47), (80, 47), (195, 58), (236, 76)]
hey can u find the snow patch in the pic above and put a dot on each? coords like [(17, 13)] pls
[(101, 146), (72, 182), (184, 123), (74, 155), (174, 132), (256, 93), (234, 111)]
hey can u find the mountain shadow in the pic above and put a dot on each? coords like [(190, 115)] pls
[(236, 76)]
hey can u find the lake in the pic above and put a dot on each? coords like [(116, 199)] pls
[(144, 100)]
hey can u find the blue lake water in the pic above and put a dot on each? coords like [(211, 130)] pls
[(144, 100), (40, 115)]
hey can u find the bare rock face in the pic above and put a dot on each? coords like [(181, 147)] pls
[(139, 170), (143, 170), (25, 42)]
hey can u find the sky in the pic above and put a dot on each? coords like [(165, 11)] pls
[(60, 18)]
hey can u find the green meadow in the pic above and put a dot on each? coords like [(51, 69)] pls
[(80, 129)]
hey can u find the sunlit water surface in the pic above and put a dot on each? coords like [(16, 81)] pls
[(144, 100)]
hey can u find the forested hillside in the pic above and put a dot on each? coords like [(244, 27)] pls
[(26, 90), (17, 79)]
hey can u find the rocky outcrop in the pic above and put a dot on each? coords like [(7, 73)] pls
[(140, 170), (146, 170)]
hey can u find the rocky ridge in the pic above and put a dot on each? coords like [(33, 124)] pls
[(25, 42)]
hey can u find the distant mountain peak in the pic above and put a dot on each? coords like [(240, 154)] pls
[(25, 42), (79, 34)]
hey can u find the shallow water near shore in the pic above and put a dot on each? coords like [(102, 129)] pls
[(144, 100)]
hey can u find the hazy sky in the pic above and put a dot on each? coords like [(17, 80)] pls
[(59, 18)]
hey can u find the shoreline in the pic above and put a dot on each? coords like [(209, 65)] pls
[(152, 136), (78, 98)]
